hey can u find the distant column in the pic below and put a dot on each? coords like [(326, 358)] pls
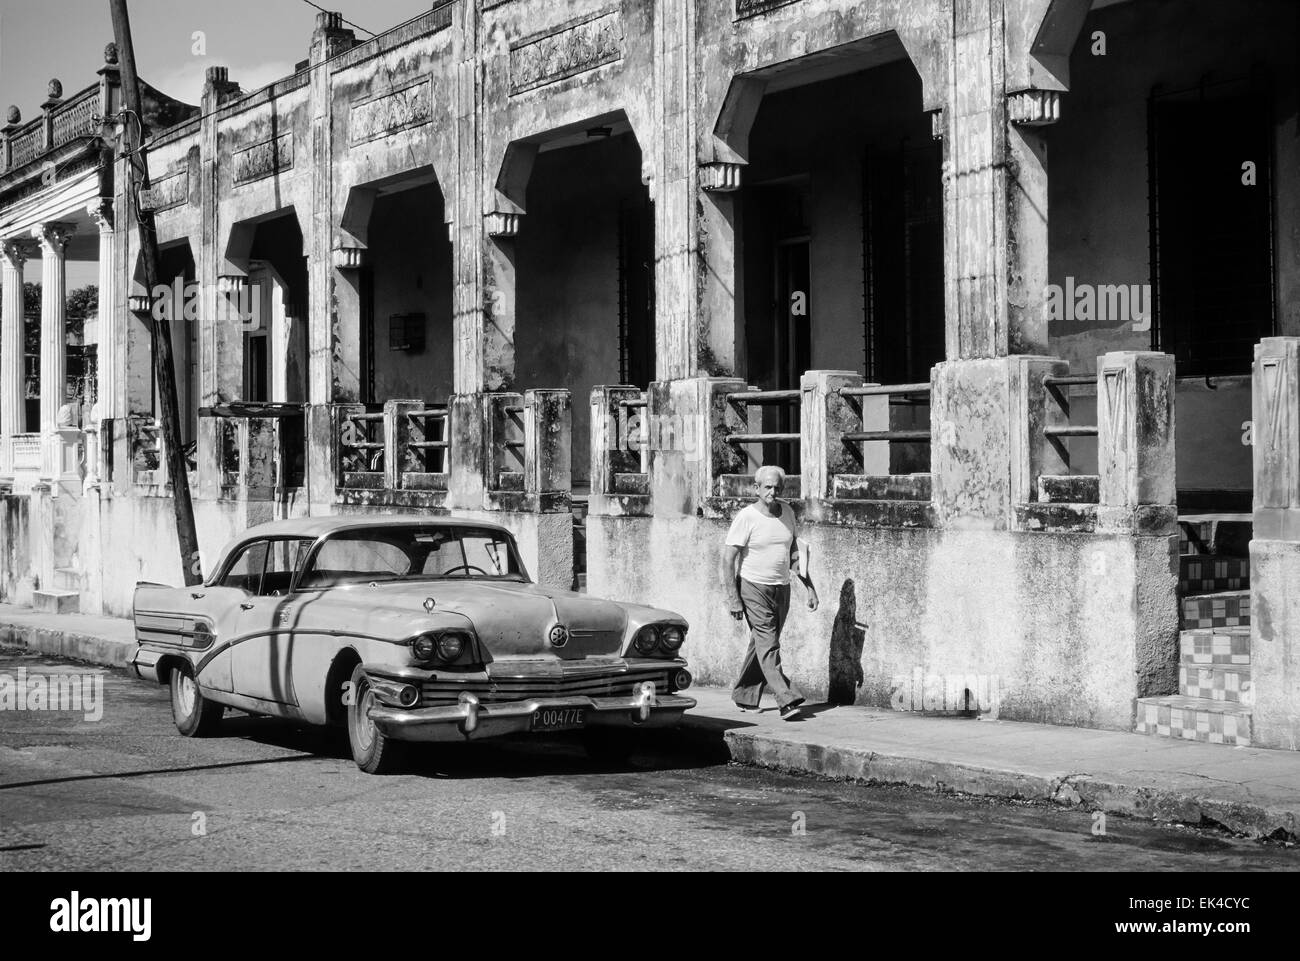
[(12, 404), (54, 341), (111, 334)]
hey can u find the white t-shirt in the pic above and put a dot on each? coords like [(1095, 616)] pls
[(765, 544)]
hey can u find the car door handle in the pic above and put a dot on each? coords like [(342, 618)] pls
[(195, 596), (245, 607)]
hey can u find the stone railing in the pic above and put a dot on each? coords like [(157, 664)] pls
[(261, 448), (75, 117), (528, 450), (404, 447), (26, 452), (1134, 489), (620, 451)]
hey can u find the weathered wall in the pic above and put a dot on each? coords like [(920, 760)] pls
[(1074, 626), (1275, 643)]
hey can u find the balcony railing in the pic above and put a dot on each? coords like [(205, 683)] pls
[(261, 446), (406, 446)]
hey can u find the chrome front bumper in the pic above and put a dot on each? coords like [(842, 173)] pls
[(470, 719)]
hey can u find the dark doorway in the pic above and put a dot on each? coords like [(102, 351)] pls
[(636, 292), (1211, 232)]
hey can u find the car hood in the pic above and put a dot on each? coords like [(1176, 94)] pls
[(512, 619)]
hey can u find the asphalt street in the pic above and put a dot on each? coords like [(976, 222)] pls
[(126, 792)]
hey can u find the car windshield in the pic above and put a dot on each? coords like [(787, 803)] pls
[(412, 553)]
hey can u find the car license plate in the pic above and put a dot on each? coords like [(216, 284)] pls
[(559, 719)]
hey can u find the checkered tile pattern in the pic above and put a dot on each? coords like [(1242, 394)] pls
[(1216, 683), (1230, 609), (1229, 645), (1207, 574), (1194, 719)]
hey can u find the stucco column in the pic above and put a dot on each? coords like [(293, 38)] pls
[(108, 385), (53, 238), (12, 258)]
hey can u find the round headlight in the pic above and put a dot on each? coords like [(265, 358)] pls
[(646, 640), (672, 637), (451, 646), (425, 647)]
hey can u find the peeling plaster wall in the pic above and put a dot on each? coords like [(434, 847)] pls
[(1074, 626), (1275, 643)]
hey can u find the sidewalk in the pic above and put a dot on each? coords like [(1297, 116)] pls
[(1245, 790)]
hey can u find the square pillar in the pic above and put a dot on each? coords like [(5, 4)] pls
[(548, 447), (1135, 436), (689, 422), (825, 417)]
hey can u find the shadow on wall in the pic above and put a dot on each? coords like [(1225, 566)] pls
[(847, 639)]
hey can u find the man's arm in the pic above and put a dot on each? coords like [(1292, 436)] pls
[(730, 553), (800, 557)]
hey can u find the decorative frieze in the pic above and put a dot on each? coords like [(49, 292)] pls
[(720, 177), (1034, 108), (166, 192), (753, 8), (263, 159), (574, 49), (390, 112), (500, 224)]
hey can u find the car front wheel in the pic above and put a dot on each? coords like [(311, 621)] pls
[(373, 750), (194, 714)]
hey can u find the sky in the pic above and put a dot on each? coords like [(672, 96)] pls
[(175, 42)]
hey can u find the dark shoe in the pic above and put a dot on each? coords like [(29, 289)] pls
[(792, 711)]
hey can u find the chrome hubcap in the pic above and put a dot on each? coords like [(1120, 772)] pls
[(363, 728), (186, 695)]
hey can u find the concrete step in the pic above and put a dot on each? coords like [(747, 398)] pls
[(1217, 682), (1211, 574), (1225, 609), (1069, 489), (1216, 645), (56, 602), (1194, 719)]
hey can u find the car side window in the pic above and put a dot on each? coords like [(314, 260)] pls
[(283, 559), (246, 571)]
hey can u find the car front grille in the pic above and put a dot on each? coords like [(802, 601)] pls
[(442, 691)]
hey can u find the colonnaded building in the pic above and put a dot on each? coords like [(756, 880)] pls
[(1011, 288)]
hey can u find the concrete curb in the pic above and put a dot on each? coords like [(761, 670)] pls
[(1132, 800), (28, 635)]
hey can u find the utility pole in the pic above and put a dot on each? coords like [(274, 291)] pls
[(164, 366)]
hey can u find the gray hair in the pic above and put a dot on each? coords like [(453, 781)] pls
[(770, 469)]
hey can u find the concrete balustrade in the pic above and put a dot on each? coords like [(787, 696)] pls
[(620, 454), (1135, 442)]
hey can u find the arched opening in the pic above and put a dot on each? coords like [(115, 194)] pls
[(839, 234), (584, 262)]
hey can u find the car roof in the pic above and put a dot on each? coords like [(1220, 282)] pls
[(321, 525)]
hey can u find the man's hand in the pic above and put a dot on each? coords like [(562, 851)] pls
[(812, 598), (737, 610)]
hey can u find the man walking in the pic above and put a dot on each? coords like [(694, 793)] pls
[(763, 539)]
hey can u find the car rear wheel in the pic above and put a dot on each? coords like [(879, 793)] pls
[(194, 714), (373, 750)]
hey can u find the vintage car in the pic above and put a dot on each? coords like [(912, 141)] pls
[(406, 629)]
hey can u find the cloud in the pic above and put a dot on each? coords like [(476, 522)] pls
[(185, 82)]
